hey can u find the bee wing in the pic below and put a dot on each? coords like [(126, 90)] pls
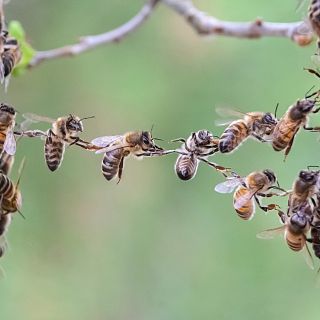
[(271, 233), (308, 257), (10, 143), (36, 118), (105, 142), (228, 114), (241, 201), (228, 186)]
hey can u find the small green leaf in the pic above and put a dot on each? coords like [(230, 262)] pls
[(16, 30)]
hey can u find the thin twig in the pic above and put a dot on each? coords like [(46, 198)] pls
[(89, 42), (204, 24)]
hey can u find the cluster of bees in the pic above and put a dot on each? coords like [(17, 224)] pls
[(198, 147)]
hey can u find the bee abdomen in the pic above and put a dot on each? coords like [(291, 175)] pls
[(294, 241), (246, 211), (6, 163), (53, 151), (281, 142), (110, 163), (6, 186), (315, 235), (233, 136), (9, 62), (186, 167)]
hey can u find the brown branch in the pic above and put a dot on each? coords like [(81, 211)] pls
[(204, 24), (89, 42)]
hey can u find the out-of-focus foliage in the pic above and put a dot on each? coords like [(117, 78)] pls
[(16, 30), (153, 247)]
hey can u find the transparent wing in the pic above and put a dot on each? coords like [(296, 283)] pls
[(271, 233), (243, 200), (227, 112), (10, 143), (308, 257), (105, 141), (228, 186), (223, 122), (36, 118)]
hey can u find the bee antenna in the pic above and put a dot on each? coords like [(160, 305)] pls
[(151, 129), (275, 111), (159, 139), (87, 118), (21, 168), (308, 167), (307, 95), (21, 214)]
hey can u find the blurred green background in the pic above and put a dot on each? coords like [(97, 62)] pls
[(153, 247)]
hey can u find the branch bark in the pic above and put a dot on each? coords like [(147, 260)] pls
[(204, 24), (201, 22)]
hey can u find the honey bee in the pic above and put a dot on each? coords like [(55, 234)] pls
[(304, 187), (258, 125), (116, 148), (289, 125), (249, 190), (7, 123), (295, 229), (64, 132), (197, 147)]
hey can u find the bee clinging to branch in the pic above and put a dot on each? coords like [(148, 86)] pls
[(258, 125), (295, 118), (116, 148), (64, 132), (249, 190), (197, 147)]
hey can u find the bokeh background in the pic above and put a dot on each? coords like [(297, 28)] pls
[(153, 247)]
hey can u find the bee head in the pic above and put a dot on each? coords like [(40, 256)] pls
[(270, 175), (74, 123), (6, 108), (204, 136), (148, 143), (269, 118), (309, 176)]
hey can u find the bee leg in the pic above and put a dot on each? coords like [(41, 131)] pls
[(179, 140), (31, 133), (288, 148), (312, 129), (268, 207), (120, 169), (285, 192), (76, 139), (216, 166), (315, 72), (258, 137)]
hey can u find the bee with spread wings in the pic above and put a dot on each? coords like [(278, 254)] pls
[(249, 190), (258, 125), (116, 148), (295, 229), (64, 132)]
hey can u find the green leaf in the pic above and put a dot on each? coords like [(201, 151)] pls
[(16, 30)]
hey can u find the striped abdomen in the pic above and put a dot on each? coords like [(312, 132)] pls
[(314, 16), (7, 188), (111, 163), (283, 133), (186, 167), (243, 203), (295, 242), (233, 136), (9, 59), (6, 162), (53, 151)]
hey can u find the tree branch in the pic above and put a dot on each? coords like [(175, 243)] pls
[(89, 42), (204, 24)]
